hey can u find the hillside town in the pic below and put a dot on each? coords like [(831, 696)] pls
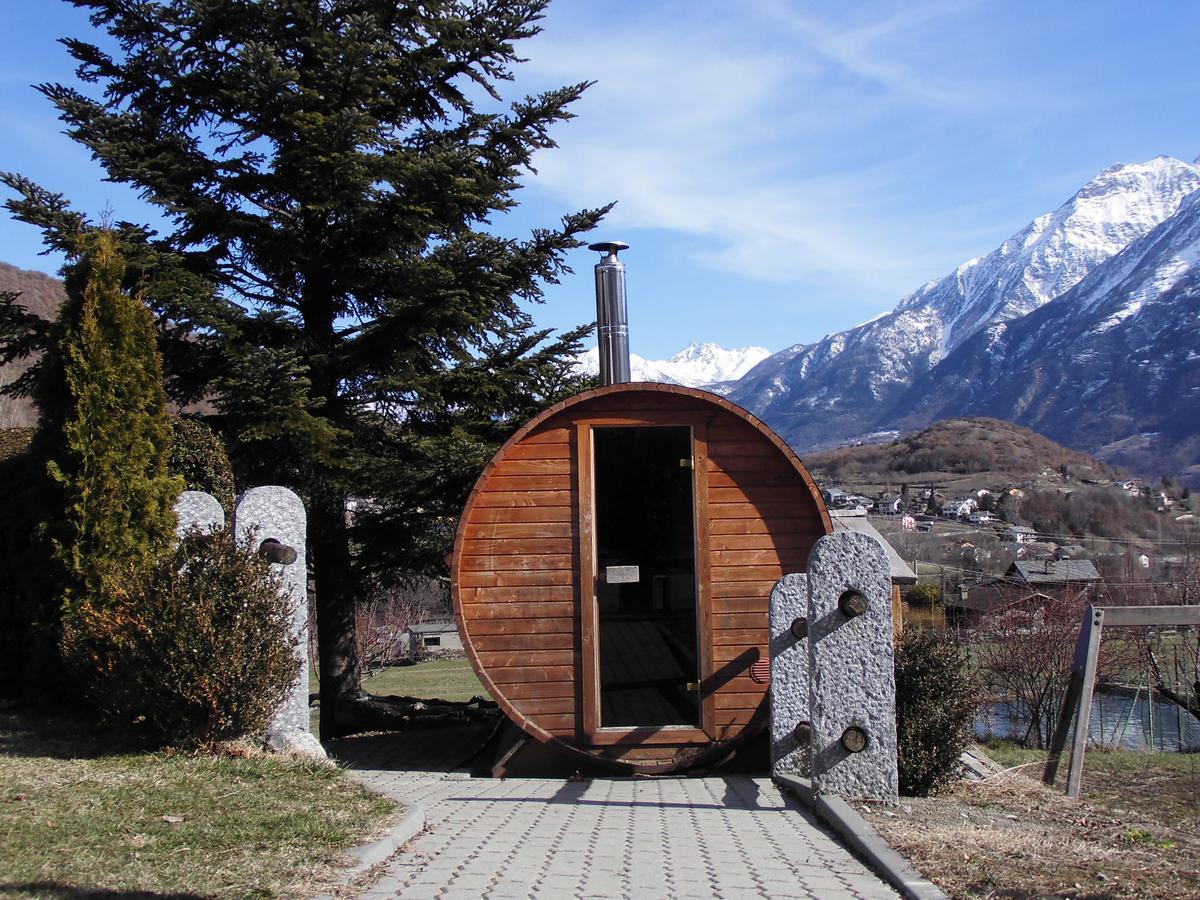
[(968, 539)]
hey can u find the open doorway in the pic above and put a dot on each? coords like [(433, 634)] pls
[(646, 576)]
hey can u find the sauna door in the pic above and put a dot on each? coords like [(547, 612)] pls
[(647, 659)]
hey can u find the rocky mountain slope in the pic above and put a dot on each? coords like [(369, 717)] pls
[(40, 294), (1111, 272), (1115, 358)]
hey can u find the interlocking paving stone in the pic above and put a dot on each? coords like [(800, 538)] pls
[(725, 837)]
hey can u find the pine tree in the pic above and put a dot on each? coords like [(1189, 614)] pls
[(332, 168)]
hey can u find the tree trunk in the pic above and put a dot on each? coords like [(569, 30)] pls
[(341, 679), (344, 707)]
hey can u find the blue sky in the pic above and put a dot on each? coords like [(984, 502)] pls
[(782, 169)]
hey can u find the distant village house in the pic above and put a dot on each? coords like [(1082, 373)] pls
[(960, 508), (834, 497), (1020, 534), (433, 639), (1027, 586)]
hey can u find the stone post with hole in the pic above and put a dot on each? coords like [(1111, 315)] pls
[(273, 519), (791, 725), (833, 683)]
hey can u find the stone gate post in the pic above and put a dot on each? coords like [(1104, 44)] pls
[(833, 684), (274, 520)]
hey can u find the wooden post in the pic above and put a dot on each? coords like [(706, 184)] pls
[(1079, 743), (897, 613), (1070, 704)]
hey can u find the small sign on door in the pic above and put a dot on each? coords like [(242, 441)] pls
[(622, 574)]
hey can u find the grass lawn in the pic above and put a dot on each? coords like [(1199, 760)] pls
[(439, 679), (79, 813), (1135, 832)]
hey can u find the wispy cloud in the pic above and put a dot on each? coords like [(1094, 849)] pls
[(754, 138), (868, 48)]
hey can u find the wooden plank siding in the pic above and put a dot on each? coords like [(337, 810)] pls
[(523, 554)]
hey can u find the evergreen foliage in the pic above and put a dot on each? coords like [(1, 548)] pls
[(200, 459), (936, 701), (91, 497), (333, 169), (199, 648), (183, 302), (110, 464)]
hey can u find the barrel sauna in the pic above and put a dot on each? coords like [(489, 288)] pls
[(613, 567)]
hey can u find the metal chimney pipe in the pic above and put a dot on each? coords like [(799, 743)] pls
[(612, 323)]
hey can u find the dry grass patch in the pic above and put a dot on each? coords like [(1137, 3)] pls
[(74, 820), (1015, 837)]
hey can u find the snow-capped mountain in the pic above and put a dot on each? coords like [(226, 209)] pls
[(697, 365), (1112, 365), (855, 381)]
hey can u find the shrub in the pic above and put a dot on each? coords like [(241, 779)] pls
[(200, 649), (924, 594), (936, 700), (200, 459)]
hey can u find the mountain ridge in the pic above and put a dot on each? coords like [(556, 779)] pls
[(897, 371), (1116, 356)]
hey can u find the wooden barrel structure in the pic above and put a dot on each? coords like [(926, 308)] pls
[(613, 567)]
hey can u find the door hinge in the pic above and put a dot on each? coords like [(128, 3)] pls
[(686, 463)]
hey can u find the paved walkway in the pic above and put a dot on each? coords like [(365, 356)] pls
[(724, 837)]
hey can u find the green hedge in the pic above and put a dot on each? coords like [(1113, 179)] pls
[(199, 457), (936, 700), (26, 590), (28, 614)]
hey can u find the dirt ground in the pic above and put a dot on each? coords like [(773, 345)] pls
[(1135, 832)]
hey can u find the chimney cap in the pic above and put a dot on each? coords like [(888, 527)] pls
[(609, 247)]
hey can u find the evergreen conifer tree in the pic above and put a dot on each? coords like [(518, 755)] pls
[(332, 168), (109, 446)]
